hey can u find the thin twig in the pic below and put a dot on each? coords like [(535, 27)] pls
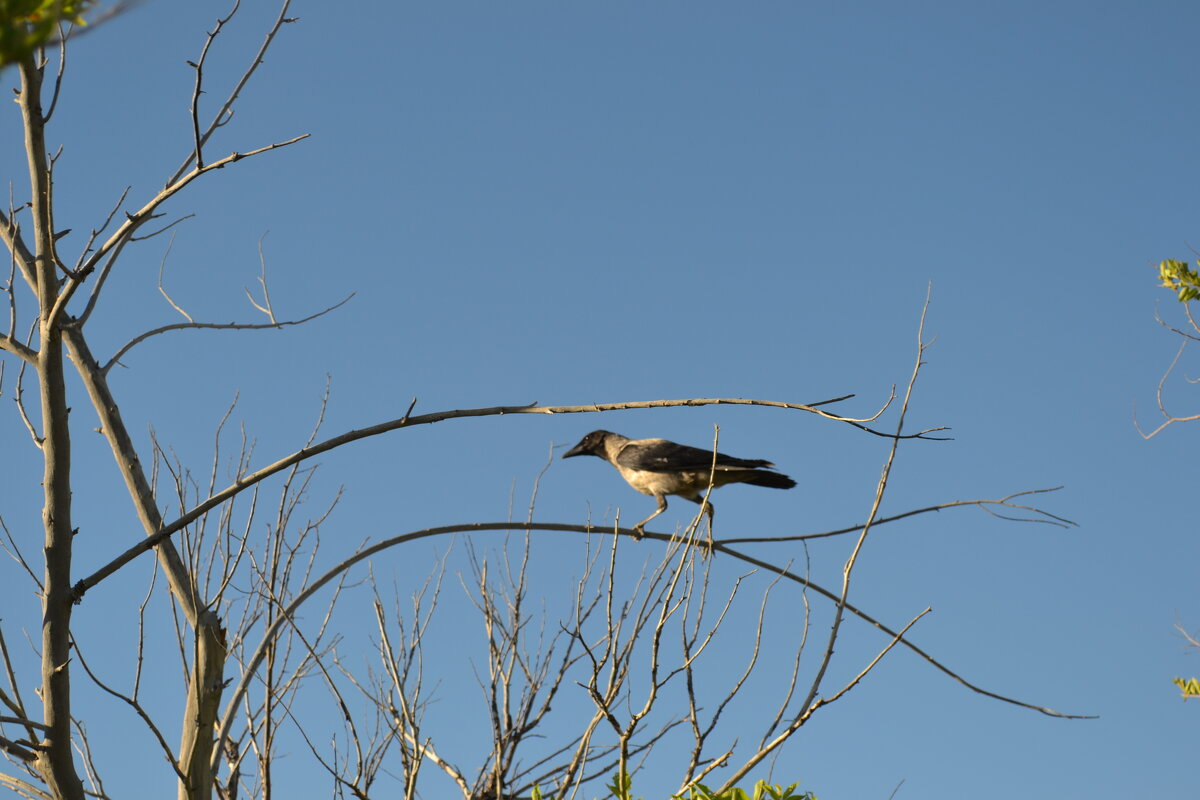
[(137, 707), (14, 552), (198, 66), (225, 112), (236, 326), (266, 307), (162, 265), (1004, 502), (1169, 419)]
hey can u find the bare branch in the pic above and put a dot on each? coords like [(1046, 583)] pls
[(132, 702), (17, 751), (110, 261), (811, 709), (847, 570), (27, 354), (12, 698), (1039, 516), (20, 398), (146, 213), (14, 552), (162, 265), (316, 585), (424, 419), (865, 617), (700, 734), (26, 722), (225, 113), (23, 787), (160, 231), (794, 678), (83, 746), (266, 307), (10, 233), (63, 35), (235, 326), (857, 678), (1187, 310), (87, 248), (198, 65), (1169, 419)]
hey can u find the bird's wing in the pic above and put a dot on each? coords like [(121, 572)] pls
[(660, 455)]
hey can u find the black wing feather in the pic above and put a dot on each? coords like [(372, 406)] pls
[(659, 455)]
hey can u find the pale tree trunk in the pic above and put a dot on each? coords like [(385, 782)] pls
[(203, 708), (55, 760)]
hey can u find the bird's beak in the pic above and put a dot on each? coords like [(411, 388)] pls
[(577, 450)]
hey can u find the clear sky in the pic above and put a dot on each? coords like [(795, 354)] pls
[(593, 202)]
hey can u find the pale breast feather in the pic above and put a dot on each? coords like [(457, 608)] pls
[(655, 483)]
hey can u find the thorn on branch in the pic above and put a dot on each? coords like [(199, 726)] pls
[(407, 414)]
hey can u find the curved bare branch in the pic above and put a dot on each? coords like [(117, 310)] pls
[(236, 326), (286, 615), (406, 421), (1168, 418), (138, 709), (1040, 516)]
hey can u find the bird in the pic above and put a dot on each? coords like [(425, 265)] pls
[(658, 467)]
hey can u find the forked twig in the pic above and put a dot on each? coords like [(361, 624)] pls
[(1168, 418)]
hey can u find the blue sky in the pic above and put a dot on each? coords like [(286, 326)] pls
[(573, 203)]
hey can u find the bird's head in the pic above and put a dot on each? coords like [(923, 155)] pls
[(590, 445)]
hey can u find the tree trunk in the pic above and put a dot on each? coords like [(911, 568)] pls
[(203, 709), (56, 762)]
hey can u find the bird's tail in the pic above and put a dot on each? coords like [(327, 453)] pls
[(772, 480)]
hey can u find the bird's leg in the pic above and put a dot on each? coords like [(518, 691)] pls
[(640, 528)]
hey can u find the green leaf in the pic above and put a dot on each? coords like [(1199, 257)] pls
[(26, 25), (1176, 275), (762, 790)]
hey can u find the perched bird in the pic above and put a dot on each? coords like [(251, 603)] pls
[(658, 468)]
